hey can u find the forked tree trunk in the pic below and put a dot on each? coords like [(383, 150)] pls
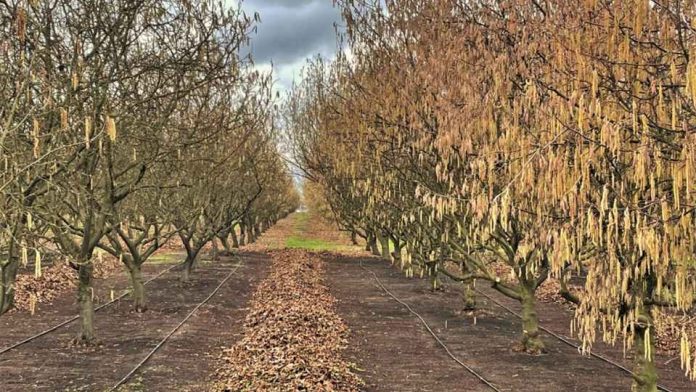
[(645, 372), (531, 339), (85, 298), (136, 277)]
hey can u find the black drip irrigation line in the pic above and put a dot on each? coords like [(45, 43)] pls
[(568, 342), (173, 331), (70, 320), (427, 327)]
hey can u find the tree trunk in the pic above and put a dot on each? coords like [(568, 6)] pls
[(188, 265), (214, 253), (384, 245), (136, 277), (257, 232), (85, 294), (435, 283), (469, 297), (225, 244), (531, 339), (372, 245), (645, 372), (235, 240), (353, 238), (242, 234), (8, 273), (396, 254)]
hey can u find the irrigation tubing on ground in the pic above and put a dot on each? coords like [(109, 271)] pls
[(173, 331), (566, 341), (427, 327), (70, 320)]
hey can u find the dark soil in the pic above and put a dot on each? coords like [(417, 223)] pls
[(186, 362), (396, 353)]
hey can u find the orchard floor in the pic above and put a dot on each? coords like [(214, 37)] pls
[(185, 363), (388, 346)]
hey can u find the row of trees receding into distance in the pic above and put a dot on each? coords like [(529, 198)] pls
[(557, 138), (124, 124)]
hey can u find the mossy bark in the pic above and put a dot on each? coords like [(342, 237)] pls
[(8, 273), (384, 245), (396, 254), (85, 298), (235, 240), (242, 234), (189, 264), (372, 245), (531, 339), (469, 297), (138, 288), (645, 372)]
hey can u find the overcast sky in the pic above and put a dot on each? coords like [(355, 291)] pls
[(291, 31)]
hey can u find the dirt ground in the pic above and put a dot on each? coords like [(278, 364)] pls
[(388, 348), (395, 352), (186, 362)]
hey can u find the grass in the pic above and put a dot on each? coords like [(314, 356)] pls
[(299, 239), (297, 242), (166, 258)]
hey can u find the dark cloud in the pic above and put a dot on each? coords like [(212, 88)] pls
[(290, 31)]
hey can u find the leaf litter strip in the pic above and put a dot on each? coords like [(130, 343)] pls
[(70, 320), (427, 327), (173, 331)]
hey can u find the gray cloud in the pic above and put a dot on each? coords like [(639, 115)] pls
[(290, 31)]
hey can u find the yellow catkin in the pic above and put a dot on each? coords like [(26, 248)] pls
[(88, 131), (63, 119), (111, 128), (37, 264)]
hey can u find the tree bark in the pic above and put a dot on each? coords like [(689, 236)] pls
[(225, 244), (435, 283), (188, 265), (8, 273), (85, 294), (384, 245), (235, 240), (469, 297), (372, 244), (353, 238), (531, 339), (242, 234), (136, 277), (645, 372), (214, 253), (396, 254)]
